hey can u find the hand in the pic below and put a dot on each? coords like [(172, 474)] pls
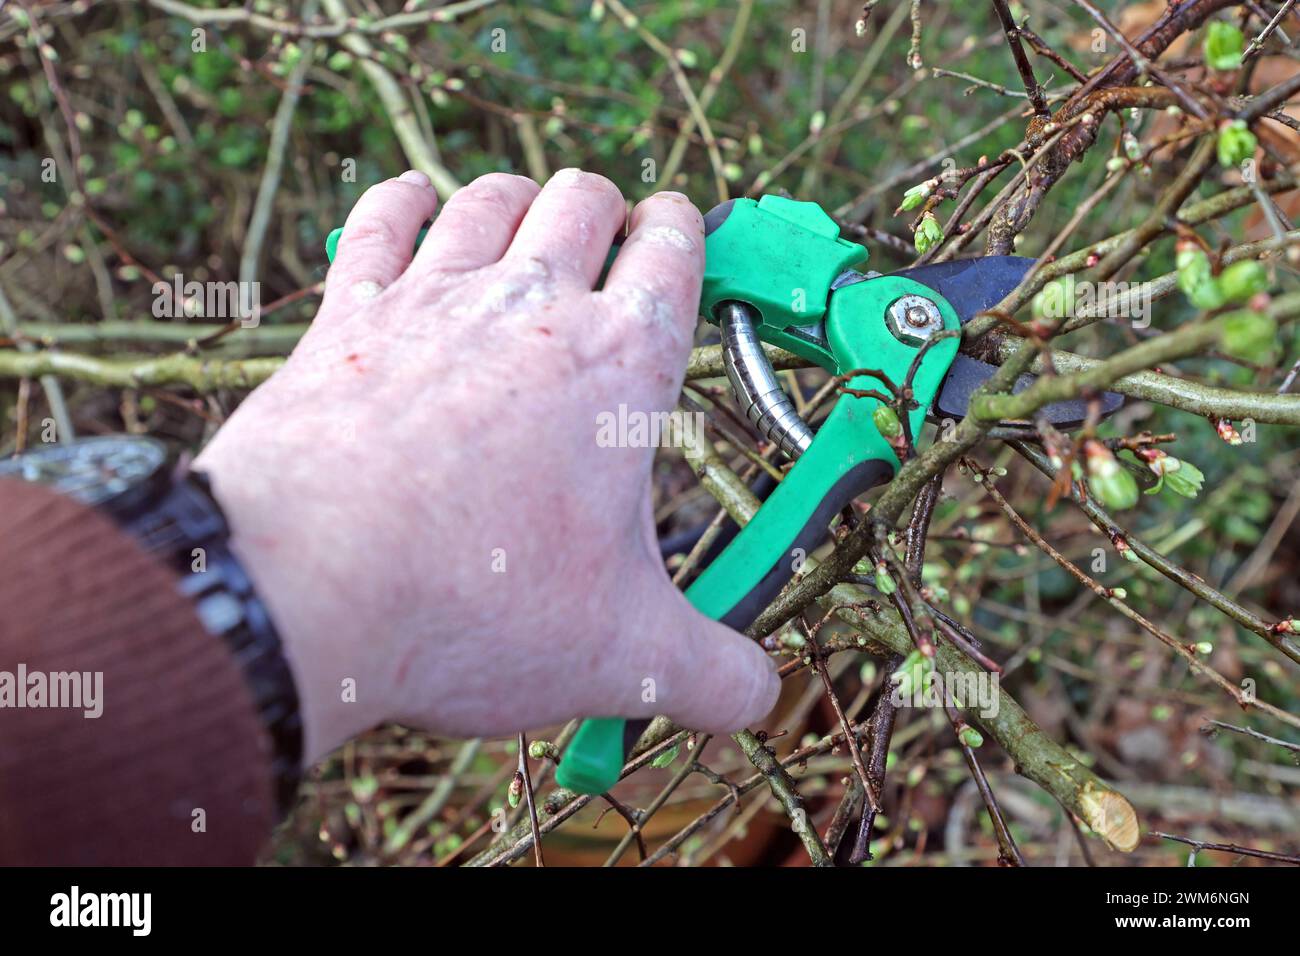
[(419, 493)]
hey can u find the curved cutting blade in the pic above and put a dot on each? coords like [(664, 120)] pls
[(967, 374), (971, 286)]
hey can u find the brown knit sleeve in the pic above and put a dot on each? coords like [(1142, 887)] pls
[(176, 769)]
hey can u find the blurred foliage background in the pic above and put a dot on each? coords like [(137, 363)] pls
[(172, 143)]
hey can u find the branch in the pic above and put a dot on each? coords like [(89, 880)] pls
[(263, 207), (1014, 217), (264, 338), (706, 361), (1033, 89), (344, 24), (1036, 755), (1181, 342), (200, 374), (397, 106), (1194, 214), (1188, 396), (1170, 569)]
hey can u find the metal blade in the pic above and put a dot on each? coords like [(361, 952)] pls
[(967, 374), (971, 286)]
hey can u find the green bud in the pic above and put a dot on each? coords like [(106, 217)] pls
[(365, 787), (1249, 335), (1110, 481), (1204, 648), (887, 422), (1223, 46), (1207, 296), (1055, 300), (1236, 143), (516, 791), (971, 737), (537, 749), (910, 674), (1243, 279), (916, 195), (1186, 480), (1115, 164), (884, 580), (1196, 277), (1132, 148), (1192, 263), (928, 233), (667, 757)]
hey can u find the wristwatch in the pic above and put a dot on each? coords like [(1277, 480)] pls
[(172, 513)]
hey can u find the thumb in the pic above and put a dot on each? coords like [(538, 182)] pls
[(710, 677)]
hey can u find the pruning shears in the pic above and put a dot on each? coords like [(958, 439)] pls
[(777, 271)]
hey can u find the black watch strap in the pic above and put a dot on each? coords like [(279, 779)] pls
[(187, 530)]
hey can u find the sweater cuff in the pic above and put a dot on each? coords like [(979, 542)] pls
[(132, 737)]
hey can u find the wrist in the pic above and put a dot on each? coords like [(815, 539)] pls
[(286, 558)]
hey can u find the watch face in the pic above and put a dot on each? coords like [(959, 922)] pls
[(104, 471)]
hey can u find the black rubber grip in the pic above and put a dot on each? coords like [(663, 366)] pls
[(862, 477)]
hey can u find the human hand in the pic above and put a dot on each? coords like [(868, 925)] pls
[(419, 493)]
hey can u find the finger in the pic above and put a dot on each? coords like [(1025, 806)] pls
[(706, 676), (571, 225), (660, 267), (380, 234), (477, 224)]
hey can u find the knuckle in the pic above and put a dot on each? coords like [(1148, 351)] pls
[(648, 305), (676, 202), (508, 183), (374, 230), (395, 192), (584, 181), (500, 193)]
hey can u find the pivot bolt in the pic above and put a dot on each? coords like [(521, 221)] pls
[(914, 318)]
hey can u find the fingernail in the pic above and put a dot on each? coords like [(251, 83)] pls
[(568, 175), (414, 176)]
